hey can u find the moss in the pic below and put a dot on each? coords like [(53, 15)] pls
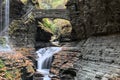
[(24, 1), (8, 75), (2, 41), (14, 26), (2, 65)]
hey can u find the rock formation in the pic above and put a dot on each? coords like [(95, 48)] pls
[(96, 27), (16, 65), (94, 17), (22, 34)]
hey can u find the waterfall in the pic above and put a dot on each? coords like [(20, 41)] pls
[(45, 60), (1, 15), (4, 30), (7, 7)]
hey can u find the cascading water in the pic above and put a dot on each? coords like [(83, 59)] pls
[(1, 19), (4, 44), (45, 60), (4, 30), (7, 8)]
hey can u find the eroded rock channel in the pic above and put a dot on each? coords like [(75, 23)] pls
[(90, 42)]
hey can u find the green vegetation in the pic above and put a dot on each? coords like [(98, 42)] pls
[(52, 4), (7, 74), (2, 41), (52, 25), (49, 24), (24, 1), (1, 64)]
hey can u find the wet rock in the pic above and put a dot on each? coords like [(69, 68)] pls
[(63, 63), (38, 76), (97, 58), (67, 74), (22, 34), (16, 66)]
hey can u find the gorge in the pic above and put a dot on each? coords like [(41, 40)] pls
[(88, 39)]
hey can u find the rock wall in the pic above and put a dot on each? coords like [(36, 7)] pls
[(96, 58), (22, 34), (94, 17), (1, 15), (16, 65), (16, 9), (63, 64), (87, 17), (99, 58), (24, 29)]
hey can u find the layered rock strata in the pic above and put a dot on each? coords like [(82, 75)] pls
[(97, 58)]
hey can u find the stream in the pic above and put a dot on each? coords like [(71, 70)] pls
[(4, 44)]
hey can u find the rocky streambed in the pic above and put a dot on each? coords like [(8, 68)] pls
[(96, 58), (16, 65)]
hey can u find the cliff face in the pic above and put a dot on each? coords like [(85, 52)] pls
[(97, 24), (22, 34), (96, 17), (99, 58), (96, 58), (88, 17), (24, 30), (16, 9)]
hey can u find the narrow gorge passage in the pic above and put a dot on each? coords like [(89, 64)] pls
[(87, 31)]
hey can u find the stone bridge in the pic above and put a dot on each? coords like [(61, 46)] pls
[(51, 13), (43, 13)]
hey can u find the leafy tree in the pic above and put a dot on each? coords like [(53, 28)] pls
[(52, 4)]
